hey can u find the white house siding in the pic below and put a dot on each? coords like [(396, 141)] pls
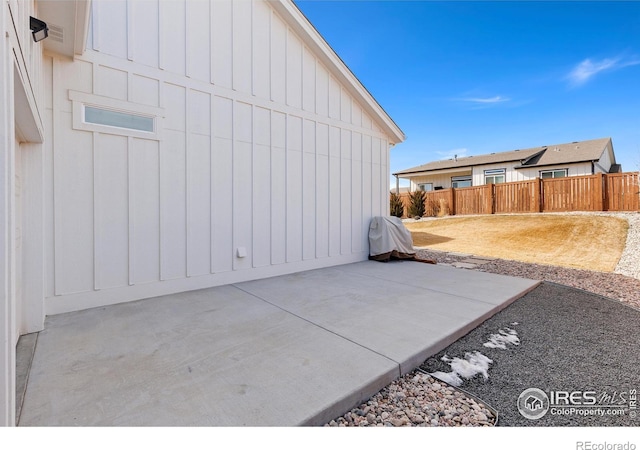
[(572, 170), (21, 135), (441, 179), (529, 173), (259, 149), (510, 173), (605, 161)]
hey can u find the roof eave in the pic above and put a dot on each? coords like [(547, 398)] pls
[(556, 164), (314, 40), (461, 167), (71, 18)]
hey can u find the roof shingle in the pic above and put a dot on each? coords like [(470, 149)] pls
[(544, 156)]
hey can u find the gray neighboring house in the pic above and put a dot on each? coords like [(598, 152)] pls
[(549, 161)]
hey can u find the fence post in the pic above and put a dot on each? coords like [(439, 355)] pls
[(452, 202), (493, 199), (489, 208), (605, 193), (537, 195), (404, 205), (599, 192)]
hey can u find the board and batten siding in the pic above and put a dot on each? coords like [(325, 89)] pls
[(258, 149)]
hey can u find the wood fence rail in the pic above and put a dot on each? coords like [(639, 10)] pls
[(599, 192)]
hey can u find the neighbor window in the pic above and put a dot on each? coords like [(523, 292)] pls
[(494, 176), (458, 182), (110, 118), (556, 173), (426, 187)]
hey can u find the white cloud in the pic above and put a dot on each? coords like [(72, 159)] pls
[(486, 101), (587, 69)]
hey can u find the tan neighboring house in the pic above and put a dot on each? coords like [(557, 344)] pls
[(549, 161)]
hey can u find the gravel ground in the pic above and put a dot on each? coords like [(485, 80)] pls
[(570, 340)]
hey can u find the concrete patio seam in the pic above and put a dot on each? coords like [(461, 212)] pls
[(430, 289), (321, 327)]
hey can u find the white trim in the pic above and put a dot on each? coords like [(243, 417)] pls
[(81, 99), (83, 13)]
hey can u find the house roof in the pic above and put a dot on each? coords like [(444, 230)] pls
[(314, 40), (547, 155)]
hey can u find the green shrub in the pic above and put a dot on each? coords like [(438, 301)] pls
[(396, 206), (416, 204)]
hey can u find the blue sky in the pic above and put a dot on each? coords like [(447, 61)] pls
[(467, 78)]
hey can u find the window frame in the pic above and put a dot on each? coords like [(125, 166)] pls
[(553, 172), (463, 179), (493, 173), (81, 100), (420, 187), (96, 111)]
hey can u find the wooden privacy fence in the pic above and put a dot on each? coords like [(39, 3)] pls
[(599, 192), (622, 191)]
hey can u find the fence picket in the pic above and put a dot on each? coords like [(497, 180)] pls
[(599, 192)]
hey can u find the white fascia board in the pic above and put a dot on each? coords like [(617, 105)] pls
[(312, 38), (426, 173), (83, 12)]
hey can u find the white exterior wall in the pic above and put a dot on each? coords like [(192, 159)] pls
[(573, 170), (442, 179), (511, 174), (259, 147), (21, 134), (606, 160)]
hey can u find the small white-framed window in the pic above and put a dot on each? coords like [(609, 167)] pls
[(111, 116), (119, 119), (555, 173), (426, 187), (462, 181), (494, 176)]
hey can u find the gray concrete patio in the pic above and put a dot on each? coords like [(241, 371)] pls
[(298, 349)]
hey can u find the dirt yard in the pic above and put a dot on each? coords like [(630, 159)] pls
[(576, 241)]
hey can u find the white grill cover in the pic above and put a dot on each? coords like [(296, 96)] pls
[(389, 238)]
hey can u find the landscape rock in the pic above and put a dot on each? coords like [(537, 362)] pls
[(416, 399)]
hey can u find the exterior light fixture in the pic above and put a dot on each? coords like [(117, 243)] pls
[(39, 29)]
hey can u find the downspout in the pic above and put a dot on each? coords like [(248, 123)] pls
[(397, 184), (593, 168)]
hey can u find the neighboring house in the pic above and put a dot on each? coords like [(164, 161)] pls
[(549, 161), (153, 147)]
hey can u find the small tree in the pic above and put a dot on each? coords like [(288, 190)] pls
[(396, 206), (416, 203)]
